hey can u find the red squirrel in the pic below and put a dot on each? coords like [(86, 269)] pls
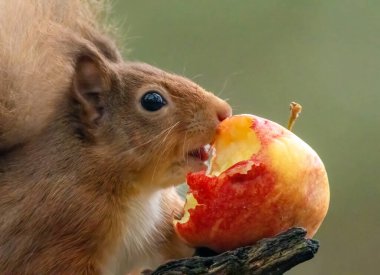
[(90, 145)]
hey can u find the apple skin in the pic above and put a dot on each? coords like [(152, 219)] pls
[(263, 180)]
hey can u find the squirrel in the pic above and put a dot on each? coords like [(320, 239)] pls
[(91, 146)]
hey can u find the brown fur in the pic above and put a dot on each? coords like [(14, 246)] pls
[(80, 160)]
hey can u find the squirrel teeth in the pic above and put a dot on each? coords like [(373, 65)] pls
[(200, 153)]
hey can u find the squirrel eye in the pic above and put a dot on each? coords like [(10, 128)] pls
[(152, 101)]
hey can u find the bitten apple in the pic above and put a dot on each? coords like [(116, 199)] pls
[(262, 180)]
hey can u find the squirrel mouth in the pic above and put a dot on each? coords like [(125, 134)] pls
[(202, 153)]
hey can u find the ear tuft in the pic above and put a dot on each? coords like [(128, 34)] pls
[(90, 84)]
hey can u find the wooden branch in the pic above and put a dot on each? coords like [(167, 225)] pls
[(268, 256)]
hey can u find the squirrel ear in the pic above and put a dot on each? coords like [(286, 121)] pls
[(90, 83)]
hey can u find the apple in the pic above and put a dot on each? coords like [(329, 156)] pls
[(262, 180)]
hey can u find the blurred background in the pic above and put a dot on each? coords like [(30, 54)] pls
[(262, 55)]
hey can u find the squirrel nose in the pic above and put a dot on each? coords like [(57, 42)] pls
[(223, 110)]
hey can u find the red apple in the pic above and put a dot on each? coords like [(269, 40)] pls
[(262, 180)]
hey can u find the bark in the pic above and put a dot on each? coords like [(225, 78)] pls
[(268, 256)]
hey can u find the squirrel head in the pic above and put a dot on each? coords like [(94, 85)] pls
[(152, 123)]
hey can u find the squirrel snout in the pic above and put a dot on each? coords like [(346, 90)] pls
[(223, 110)]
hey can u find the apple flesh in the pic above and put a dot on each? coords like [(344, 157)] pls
[(262, 180)]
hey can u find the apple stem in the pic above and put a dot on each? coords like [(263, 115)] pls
[(295, 110)]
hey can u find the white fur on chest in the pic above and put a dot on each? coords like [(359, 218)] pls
[(140, 235)]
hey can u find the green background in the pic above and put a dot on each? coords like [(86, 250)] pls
[(263, 54)]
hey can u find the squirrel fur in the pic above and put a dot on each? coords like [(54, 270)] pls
[(86, 173)]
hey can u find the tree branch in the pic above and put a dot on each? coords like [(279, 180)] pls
[(268, 256)]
